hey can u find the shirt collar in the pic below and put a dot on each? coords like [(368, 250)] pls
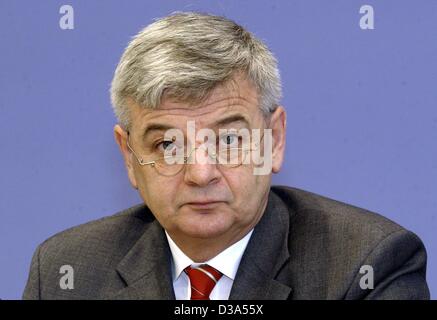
[(226, 262)]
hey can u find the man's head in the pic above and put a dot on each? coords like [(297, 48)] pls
[(211, 72)]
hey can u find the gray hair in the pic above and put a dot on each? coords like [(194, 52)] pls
[(185, 56)]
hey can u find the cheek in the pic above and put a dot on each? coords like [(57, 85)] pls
[(245, 187), (157, 194)]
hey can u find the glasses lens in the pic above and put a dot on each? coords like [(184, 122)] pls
[(169, 166), (231, 157)]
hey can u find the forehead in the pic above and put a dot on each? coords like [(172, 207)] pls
[(240, 98)]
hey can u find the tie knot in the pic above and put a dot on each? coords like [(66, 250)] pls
[(203, 278)]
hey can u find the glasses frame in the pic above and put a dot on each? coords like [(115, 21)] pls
[(213, 156)]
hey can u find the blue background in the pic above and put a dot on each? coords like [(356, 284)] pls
[(362, 111)]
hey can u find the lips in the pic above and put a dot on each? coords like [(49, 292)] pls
[(203, 204)]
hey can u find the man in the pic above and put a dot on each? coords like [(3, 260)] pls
[(211, 226)]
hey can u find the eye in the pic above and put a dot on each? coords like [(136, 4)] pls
[(166, 146), (230, 139)]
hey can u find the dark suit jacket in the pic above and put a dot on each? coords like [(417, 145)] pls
[(305, 247)]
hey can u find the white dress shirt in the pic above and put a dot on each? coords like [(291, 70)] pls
[(226, 262)]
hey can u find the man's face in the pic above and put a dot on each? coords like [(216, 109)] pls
[(204, 200)]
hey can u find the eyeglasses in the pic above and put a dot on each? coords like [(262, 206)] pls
[(171, 165)]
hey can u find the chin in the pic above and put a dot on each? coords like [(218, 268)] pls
[(206, 225)]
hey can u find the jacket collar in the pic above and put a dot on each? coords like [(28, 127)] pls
[(260, 275), (146, 267)]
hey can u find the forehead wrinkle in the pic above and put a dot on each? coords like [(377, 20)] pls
[(193, 114), (231, 119), (206, 108)]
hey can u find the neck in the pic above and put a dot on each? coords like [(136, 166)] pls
[(202, 250)]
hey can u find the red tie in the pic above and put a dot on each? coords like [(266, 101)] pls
[(203, 279)]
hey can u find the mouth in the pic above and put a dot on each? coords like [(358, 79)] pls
[(203, 205)]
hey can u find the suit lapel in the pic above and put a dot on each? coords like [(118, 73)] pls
[(259, 274), (146, 268)]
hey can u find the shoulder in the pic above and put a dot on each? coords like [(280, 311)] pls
[(113, 231), (91, 251), (312, 210), (330, 241), (96, 246)]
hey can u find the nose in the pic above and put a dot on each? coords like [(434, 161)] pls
[(201, 171)]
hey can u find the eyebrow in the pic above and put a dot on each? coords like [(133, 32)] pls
[(222, 122), (232, 119), (155, 127)]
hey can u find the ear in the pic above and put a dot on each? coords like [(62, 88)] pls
[(121, 136), (278, 124)]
